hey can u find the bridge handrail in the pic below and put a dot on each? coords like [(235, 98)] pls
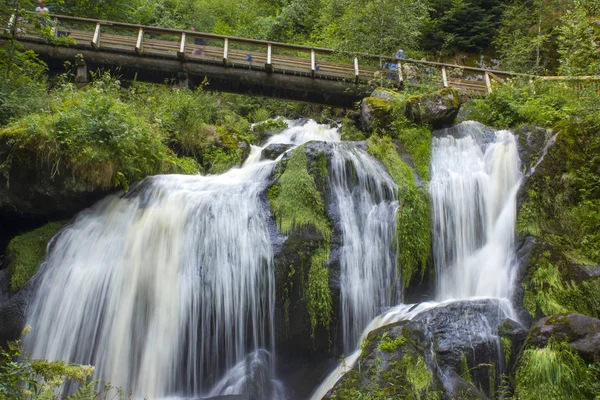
[(280, 45)]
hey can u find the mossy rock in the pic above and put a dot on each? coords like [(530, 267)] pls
[(411, 359), (26, 252), (375, 113), (305, 303), (437, 109)]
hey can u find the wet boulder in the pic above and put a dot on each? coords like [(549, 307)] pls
[(580, 332), (437, 109), (274, 150), (454, 350)]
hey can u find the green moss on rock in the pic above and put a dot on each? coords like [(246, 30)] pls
[(298, 203), (26, 252)]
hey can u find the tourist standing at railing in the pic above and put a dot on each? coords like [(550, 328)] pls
[(41, 8)]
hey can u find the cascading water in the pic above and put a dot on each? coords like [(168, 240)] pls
[(165, 289), (473, 193), (366, 199), (473, 189)]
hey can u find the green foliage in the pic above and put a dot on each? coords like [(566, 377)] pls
[(577, 44), (21, 378), (271, 126), (375, 27), (553, 372), (549, 291), (461, 25), (318, 294), (22, 82), (413, 217), (298, 203), (26, 252), (102, 140)]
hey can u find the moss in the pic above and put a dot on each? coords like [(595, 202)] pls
[(26, 252), (506, 345), (298, 203), (388, 344), (553, 372), (378, 104), (318, 294), (413, 217), (549, 291)]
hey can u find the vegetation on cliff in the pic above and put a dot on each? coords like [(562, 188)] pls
[(296, 203), (26, 252)]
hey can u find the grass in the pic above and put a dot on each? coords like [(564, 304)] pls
[(26, 252), (553, 372)]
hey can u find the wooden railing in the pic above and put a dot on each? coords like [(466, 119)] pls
[(271, 57)]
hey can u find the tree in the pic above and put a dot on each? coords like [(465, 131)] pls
[(579, 53), (461, 25), (372, 26)]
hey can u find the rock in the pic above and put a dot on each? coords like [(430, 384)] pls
[(13, 314), (274, 150), (385, 94), (41, 191), (580, 332), (437, 109), (459, 343), (245, 147), (375, 113)]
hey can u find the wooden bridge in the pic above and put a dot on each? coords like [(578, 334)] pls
[(233, 64)]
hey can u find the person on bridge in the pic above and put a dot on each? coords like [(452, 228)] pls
[(41, 8)]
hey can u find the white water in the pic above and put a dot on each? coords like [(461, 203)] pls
[(473, 195), (166, 289), (366, 200)]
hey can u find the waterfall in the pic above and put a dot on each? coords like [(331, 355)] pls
[(474, 182), (169, 288), (473, 190), (366, 199)]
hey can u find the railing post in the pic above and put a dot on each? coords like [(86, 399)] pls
[(181, 52), (225, 50), (444, 76), (355, 69), (54, 30), (140, 41), (96, 38), (488, 82), (400, 72), (313, 65), (269, 64)]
